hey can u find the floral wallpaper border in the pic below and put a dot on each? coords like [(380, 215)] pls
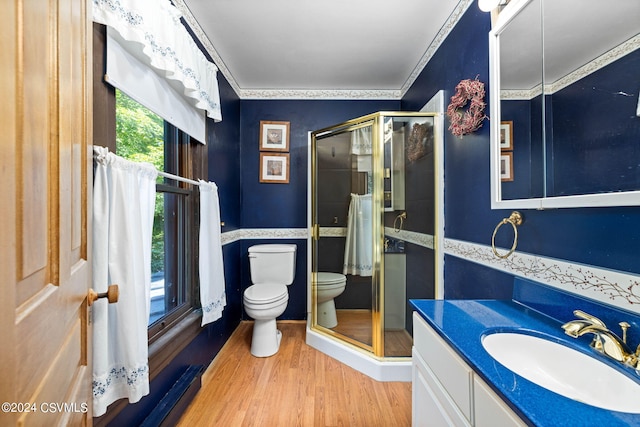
[(263, 233), (618, 288), (602, 61), (621, 289)]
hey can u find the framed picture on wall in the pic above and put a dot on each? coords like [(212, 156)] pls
[(274, 168), (506, 166), (274, 136), (506, 136)]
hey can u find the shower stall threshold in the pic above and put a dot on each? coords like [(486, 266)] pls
[(379, 370)]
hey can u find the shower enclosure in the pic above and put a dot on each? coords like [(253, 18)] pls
[(373, 224)]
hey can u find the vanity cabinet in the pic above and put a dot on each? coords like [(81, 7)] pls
[(446, 391)]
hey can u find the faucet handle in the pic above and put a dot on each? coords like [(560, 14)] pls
[(624, 326), (586, 316)]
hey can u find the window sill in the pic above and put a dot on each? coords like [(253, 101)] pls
[(172, 342)]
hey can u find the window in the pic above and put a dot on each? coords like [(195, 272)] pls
[(151, 139), (143, 136)]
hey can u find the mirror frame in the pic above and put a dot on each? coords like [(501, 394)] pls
[(618, 198)]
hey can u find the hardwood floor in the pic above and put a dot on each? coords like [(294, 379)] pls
[(298, 386)]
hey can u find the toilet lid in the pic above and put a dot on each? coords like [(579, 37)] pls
[(325, 278), (265, 294), (273, 248)]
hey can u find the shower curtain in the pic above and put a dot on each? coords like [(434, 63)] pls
[(211, 265), (362, 148), (361, 143), (358, 251), (123, 208)]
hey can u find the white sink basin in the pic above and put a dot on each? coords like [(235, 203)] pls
[(565, 371)]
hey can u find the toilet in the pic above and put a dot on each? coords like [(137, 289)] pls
[(272, 269), (328, 286)]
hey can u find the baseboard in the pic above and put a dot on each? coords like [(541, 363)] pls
[(168, 411)]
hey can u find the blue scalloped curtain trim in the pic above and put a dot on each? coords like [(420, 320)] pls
[(132, 377)]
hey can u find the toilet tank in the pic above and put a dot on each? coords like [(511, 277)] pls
[(272, 263)]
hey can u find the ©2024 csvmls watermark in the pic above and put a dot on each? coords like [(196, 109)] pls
[(46, 407)]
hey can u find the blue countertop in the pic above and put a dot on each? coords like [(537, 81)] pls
[(462, 323)]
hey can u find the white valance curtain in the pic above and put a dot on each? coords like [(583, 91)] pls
[(358, 251), (123, 208), (153, 33)]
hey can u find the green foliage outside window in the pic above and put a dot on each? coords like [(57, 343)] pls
[(140, 138)]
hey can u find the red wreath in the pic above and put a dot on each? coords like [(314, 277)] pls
[(464, 122)]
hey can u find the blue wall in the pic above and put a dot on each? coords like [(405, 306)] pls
[(526, 117), (468, 216), (599, 157), (224, 156), (605, 237), (268, 206), (285, 205)]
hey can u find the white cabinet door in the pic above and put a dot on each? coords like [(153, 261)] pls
[(432, 406), (446, 391), (490, 409), (450, 370)]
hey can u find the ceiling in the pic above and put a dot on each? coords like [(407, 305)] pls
[(321, 49)]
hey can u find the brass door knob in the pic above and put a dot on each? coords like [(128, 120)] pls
[(111, 295)]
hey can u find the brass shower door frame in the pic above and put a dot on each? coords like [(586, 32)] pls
[(348, 126), (376, 121)]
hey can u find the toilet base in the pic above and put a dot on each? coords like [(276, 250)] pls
[(326, 312), (265, 340)]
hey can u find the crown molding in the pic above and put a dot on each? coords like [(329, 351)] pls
[(598, 63), (334, 94), (319, 94), (520, 94), (448, 26), (206, 43)]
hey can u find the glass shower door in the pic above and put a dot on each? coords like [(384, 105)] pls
[(409, 224), (343, 288)]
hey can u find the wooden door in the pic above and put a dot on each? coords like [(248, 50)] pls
[(45, 173)]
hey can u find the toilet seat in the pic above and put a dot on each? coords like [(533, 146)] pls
[(330, 280), (259, 295), (325, 288)]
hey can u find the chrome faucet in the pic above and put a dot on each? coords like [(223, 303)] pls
[(604, 340)]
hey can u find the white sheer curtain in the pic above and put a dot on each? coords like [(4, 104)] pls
[(211, 265), (123, 207), (361, 143), (358, 251)]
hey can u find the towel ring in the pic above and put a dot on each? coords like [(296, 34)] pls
[(515, 219), (400, 217)]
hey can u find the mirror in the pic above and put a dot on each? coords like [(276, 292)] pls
[(564, 87)]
